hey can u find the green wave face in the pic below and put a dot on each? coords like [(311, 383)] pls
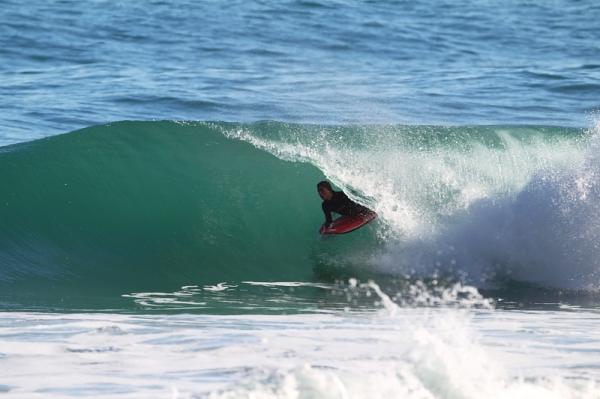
[(142, 206), (137, 206)]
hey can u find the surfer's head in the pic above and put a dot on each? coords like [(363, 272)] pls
[(324, 189)]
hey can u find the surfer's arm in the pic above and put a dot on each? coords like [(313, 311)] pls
[(327, 212)]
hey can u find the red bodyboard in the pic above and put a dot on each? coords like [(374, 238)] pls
[(346, 224)]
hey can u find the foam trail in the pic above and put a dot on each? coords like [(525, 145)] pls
[(432, 354)]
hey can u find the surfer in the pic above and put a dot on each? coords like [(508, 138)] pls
[(338, 202)]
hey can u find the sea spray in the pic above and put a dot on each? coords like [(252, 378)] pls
[(544, 231), (483, 205)]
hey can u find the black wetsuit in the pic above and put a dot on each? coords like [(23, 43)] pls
[(340, 203)]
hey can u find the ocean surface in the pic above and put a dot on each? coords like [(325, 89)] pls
[(159, 215)]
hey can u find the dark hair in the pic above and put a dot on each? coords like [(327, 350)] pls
[(325, 184)]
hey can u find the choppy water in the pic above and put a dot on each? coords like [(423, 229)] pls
[(68, 65), (165, 245), (397, 352)]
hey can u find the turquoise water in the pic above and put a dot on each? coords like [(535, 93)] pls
[(156, 206), (158, 213)]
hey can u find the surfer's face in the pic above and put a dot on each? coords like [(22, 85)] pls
[(325, 193)]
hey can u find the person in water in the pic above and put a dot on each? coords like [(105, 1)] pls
[(338, 202)]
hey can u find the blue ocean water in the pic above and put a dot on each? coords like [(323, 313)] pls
[(68, 64), (158, 220)]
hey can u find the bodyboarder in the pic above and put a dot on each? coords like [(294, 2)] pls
[(338, 202)]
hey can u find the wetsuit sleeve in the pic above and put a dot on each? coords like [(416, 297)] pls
[(352, 208), (327, 213)]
